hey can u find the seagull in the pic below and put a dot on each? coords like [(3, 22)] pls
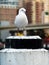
[(21, 19)]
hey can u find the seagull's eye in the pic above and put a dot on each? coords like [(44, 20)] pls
[(22, 10)]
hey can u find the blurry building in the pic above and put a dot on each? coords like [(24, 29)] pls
[(28, 7), (38, 7), (46, 10), (35, 9), (8, 9), (46, 16)]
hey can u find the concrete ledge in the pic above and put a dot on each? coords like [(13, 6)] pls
[(23, 57)]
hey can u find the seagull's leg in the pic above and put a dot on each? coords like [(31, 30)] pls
[(17, 31), (24, 32)]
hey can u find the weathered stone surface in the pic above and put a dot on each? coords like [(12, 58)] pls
[(23, 57)]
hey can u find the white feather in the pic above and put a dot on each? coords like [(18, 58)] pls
[(21, 19)]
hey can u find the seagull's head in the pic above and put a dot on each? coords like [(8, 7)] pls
[(22, 10)]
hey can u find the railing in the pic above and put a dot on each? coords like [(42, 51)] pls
[(29, 27)]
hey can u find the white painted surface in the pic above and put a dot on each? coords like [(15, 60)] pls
[(23, 57), (23, 37)]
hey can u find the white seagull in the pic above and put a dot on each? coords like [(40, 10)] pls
[(21, 19)]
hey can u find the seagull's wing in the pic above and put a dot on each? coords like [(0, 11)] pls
[(21, 20)]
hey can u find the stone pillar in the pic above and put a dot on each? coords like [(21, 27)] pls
[(23, 57)]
